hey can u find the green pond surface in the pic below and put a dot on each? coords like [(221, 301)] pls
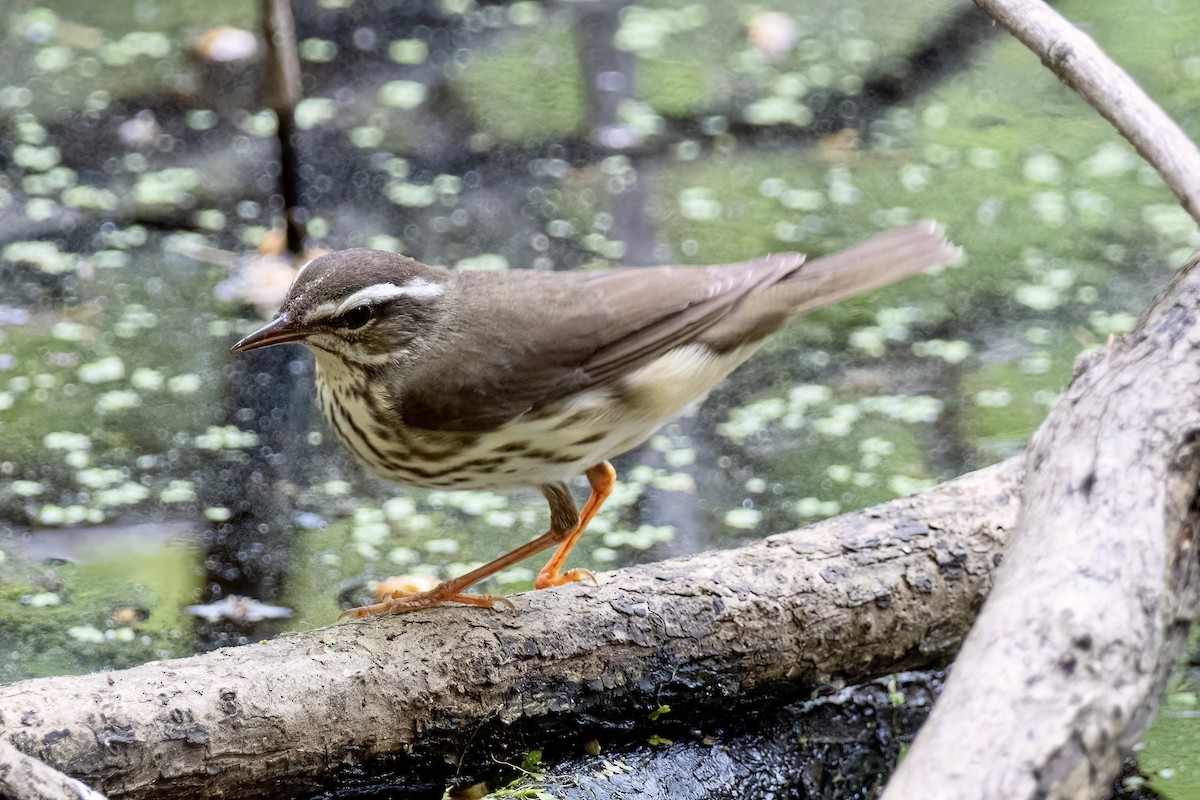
[(144, 469)]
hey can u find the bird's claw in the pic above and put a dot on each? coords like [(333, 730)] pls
[(547, 579)]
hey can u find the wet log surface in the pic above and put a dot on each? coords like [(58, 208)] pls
[(449, 691)]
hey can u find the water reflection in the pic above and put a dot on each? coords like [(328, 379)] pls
[(248, 550)]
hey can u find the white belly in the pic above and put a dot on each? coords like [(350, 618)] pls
[(553, 444)]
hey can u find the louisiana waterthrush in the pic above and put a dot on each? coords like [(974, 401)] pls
[(496, 380)]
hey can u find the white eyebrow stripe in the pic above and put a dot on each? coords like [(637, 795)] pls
[(421, 288), (370, 295), (418, 288)]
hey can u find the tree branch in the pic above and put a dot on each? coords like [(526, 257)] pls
[(867, 593), (1080, 63), (1099, 587)]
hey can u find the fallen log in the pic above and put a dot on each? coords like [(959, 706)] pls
[(1100, 585), (881, 590)]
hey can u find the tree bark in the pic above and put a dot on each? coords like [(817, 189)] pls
[(871, 592), (1100, 584)]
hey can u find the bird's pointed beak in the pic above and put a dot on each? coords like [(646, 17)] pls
[(277, 331)]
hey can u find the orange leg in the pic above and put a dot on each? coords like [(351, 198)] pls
[(601, 477)]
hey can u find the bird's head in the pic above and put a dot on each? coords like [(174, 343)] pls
[(362, 306)]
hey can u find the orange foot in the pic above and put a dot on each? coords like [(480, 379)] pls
[(601, 477), (548, 577), (405, 596)]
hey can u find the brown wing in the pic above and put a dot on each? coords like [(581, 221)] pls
[(879, 261), (518, 341)]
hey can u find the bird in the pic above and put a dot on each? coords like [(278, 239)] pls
[(497, 380)]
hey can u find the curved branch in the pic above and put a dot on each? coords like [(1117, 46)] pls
[(1080, 63), (1099, 587)]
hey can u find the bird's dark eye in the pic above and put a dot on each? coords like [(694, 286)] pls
[(355, 317)]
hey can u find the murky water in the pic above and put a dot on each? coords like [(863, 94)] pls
[(144, 470)]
